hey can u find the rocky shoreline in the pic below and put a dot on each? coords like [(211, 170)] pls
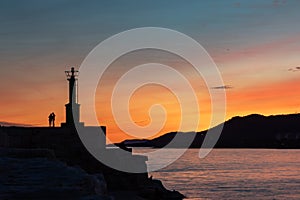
[(37, 174), (47, 166)]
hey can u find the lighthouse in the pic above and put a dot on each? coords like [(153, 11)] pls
[(72, 107)]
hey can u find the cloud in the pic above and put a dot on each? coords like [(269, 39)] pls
[(294, 69), (223, 87), (142, 122), (3, 123)]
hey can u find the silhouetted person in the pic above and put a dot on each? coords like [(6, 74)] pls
[(51, 119)]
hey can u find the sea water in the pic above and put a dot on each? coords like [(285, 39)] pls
[(232, 174)]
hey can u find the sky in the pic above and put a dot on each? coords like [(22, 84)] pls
[(255, 44)]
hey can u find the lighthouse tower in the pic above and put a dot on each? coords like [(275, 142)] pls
[(72, 108)]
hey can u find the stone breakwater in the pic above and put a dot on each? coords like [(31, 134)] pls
[(36, 174), (62, 149)]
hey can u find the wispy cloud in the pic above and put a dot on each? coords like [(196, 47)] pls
[(3, 123), (142, 122), (222, 87), (294, 69)]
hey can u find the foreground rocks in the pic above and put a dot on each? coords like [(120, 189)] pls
[(42, 148), (36, 174), (27, 174)]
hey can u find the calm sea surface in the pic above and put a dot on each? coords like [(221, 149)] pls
[(233, 174)]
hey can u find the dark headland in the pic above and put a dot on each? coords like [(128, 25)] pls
[(52, 163), (252, 131)]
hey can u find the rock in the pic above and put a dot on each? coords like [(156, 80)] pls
[(100, 184), (154, 189), (64, 144), (26, 153), (41, 178)]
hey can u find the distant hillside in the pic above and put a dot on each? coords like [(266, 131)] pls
[(252, 131)]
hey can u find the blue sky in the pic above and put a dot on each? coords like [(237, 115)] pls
[(67, 24)]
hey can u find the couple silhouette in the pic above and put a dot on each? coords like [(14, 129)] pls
[(51, 120)]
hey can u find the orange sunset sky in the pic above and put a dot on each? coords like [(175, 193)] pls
[(256, 46)]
